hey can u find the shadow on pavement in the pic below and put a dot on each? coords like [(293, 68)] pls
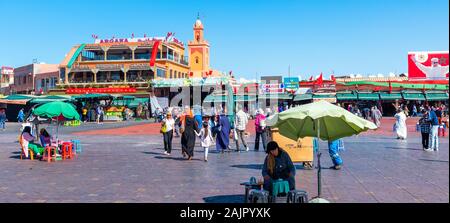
[(225, 199), (15, 157), (175, 158), (402, 148), (260, 166), (440, 161)]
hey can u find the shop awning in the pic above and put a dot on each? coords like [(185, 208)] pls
[(414, 96), (17, 99), (135, 103), (391, 96), (50, 98), (303, 97), (436, 96), (369, 96), (346, 96), (243, 98), (280, 96), (215, 99)]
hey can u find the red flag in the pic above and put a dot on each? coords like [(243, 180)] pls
[(333, 79), (319, 80), (154, 52), (311, 78)]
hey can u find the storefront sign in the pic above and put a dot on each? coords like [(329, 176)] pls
[(109, 67), (80, 68), (271, 88), (127, 40), (428, 65), (140, 67), (99, 90)]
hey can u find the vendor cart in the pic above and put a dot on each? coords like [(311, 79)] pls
[(300, 151)]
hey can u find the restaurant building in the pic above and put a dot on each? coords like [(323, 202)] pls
[(129, 65)]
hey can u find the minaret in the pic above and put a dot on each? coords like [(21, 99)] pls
[(198, 51)]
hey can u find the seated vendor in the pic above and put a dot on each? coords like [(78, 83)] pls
[(27, 140), (45, 138), (277, 165)]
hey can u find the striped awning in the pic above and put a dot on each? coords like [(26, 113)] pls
[(346, 96), (436, 96), (391, 96), (369, 96), (414, 96)]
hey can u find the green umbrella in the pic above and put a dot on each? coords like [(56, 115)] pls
[(319, 119), (56, 109)]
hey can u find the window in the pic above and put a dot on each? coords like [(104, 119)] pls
[(170, 73), (62, 75), (160, 73), (196, 60)]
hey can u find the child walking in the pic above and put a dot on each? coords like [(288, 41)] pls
[(206, 139)]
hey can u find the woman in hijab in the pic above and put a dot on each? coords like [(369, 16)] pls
[(27, 142), (188, 136), (376, 116), (223, 135)]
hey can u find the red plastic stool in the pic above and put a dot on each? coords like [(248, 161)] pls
[(48, 151), (67, 150)]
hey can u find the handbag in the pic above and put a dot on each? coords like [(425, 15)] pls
[(163, 128)]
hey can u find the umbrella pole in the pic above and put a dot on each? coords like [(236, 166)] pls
[(319, 171)]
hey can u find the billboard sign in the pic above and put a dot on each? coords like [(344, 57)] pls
[(428, 65), (291, 83)]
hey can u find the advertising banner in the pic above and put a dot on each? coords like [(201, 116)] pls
[(428, 65), (291, 84)]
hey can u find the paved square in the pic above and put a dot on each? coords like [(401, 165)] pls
[(131, 167)]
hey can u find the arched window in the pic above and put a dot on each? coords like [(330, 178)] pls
[(196, 60), (170, 73)]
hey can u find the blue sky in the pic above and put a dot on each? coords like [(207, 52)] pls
[(252, 37)]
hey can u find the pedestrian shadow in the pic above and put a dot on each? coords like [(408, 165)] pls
[(440, 161), (402, 148), (152, 153), (260, 166), (225, 199), (176, 158)]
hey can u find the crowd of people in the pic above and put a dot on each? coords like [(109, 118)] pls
[(212, 128)]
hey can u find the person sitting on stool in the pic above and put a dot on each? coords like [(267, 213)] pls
[(277, 165)]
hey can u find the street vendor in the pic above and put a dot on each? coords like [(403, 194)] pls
[(277, 165)]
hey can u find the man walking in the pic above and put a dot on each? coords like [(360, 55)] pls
[(21, 116), (240, 127), (434, 139)]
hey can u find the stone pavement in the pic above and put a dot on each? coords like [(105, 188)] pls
[(133, 168)]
